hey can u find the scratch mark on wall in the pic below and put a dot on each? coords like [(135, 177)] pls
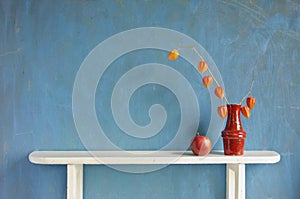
[(293, 5), (287, 154), (291, 34), (10, 52), (29, 85), (55, 76), (250, 10), (4, 159), (250, 1), (295, 107), (5, 149), (24, 133), (260, 17), (264, 40), (290, 107), (18, 29), (120, 2)]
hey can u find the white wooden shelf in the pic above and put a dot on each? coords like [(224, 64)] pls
[(235, 165)]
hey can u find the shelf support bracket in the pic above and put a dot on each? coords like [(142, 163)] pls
[(74, 181), (235, 181)]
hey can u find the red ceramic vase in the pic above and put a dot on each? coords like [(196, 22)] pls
[(233, 134)]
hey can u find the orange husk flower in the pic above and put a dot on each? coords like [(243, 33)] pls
[(207, 81), (222, 111), (245, 111), (173, 55), (251, 102), (219, 92), (202, 66)]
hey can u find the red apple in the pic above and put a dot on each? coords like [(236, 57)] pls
[(201, 145)]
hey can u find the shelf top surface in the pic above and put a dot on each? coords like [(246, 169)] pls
[(149, 157)]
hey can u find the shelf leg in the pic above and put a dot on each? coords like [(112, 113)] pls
[(74, 181), (235, 181)]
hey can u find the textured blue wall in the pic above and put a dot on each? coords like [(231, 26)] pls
[(43, 43)]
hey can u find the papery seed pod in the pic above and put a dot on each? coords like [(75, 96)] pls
[(251, 102), (202, 66), (245, 111), (219, 92), (207, 80), (173, 55), (222, 111)]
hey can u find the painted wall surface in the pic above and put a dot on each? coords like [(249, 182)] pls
[(43, 44)]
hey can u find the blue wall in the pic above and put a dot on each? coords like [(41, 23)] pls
[(43, 43)]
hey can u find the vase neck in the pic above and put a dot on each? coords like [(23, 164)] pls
[(233, 118)]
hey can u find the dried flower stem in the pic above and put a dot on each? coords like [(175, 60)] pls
[(202, 59), (250, 89)]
